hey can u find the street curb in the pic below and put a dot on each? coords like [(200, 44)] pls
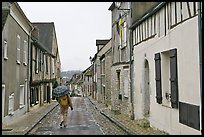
[(26, 133), (122, 126)]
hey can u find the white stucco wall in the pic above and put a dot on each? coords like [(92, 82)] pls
[(184, 37)]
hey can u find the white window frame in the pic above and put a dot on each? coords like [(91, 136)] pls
[(53, 66), (18, 49), (11, 105), (22, 96), (41, 54), (3, 98), (5, 50), (124, 34), (25, 58), (44, 58), (37, 58)]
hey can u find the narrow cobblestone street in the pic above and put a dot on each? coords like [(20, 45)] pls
[(83, 120)]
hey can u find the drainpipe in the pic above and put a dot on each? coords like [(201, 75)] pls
[(131, 66), (131, 75), (29, 72), (200, 52)]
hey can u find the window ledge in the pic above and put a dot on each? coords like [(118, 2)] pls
[(18, 62), (5, 58), (22, 106), (24, 63), (11, 114)]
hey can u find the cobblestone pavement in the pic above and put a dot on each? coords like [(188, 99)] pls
[(50, 124), (106, 121), (108, 127), (132, 127)]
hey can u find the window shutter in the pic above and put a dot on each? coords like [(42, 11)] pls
[(173, 78), (158, 77)]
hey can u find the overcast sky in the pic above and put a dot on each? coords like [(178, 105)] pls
[(77, 25)]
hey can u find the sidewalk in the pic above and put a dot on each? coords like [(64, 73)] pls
[(132, 127), (21, 126), (25, 123)]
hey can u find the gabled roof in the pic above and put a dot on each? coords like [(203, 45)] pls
[(6, 7), (45, 34)]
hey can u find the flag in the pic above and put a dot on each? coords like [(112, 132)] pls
[(119, 25)]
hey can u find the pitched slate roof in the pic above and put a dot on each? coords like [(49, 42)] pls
[(45, 34)]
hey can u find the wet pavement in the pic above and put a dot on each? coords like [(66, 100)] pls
[(81, 122)]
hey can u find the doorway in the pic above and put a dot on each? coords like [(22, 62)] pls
[(146, 92)]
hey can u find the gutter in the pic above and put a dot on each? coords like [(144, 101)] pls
[(147, 15), (200, 53)]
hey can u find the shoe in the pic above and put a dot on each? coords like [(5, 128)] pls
[(65, 126), (61, 123)]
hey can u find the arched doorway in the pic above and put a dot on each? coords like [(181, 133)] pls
[(146, 92)]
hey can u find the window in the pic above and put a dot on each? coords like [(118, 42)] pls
[(168, 81), (42, 61), (124, 39), (11, 104), (39, 60), (46, 59), (25, 53), (22, 96), (5, 50), (126, 83), (118, 80), (103, 82), (165, 71), (32, 97), (53, 66), (3, 98), (123, 54), (36, 60), (18, 49)]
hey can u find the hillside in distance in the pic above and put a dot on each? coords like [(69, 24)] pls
[(68, 74)]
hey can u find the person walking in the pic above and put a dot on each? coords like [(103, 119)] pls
[(64, 103)]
